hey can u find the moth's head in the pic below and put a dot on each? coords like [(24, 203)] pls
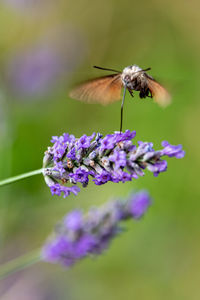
[(129, 73)]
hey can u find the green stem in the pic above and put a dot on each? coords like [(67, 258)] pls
[(21, 176), (19, 263)]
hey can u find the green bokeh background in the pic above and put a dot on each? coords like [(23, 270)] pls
[(158, 257)]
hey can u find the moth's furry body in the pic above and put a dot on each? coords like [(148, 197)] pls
[(134, 78)]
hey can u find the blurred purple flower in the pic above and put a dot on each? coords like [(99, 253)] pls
[(139, 204), (73, 220), (23, 5), (37, 70), (76, 236), (117, 160)]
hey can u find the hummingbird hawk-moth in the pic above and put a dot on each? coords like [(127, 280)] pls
[(107, 89)]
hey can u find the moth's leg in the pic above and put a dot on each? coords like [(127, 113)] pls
[(150, 96), (131, 92)]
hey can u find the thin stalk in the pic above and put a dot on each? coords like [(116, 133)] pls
[(20, 263), (122, 107), (21, 176)]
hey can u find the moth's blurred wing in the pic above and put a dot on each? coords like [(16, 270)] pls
[(102, 90), (159, 93)]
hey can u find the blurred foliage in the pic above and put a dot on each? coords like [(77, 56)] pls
[(158, 257)]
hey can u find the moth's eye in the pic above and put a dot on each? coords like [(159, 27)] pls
[(127, 78)]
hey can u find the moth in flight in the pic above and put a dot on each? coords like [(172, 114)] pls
[(107, 89)]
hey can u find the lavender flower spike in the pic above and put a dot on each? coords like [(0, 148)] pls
[(78, 236), (112, 158)]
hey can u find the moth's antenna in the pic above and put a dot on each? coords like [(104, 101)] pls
[(106, 69), (143, 70), (122, 107), (147, 69)]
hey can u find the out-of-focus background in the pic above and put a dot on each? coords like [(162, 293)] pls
[(45, 48)]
